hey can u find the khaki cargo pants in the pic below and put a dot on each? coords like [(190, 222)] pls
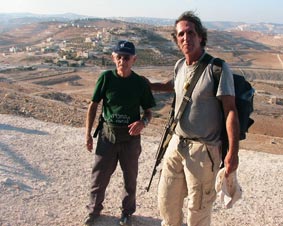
[(189, 170)]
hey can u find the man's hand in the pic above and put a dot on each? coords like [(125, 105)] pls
[(231, 162), (89, 143), (136, 127)]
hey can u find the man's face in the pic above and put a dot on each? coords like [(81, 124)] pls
[(123, 63), (188, 39)]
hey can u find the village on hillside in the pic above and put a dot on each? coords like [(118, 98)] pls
[(59, 61)]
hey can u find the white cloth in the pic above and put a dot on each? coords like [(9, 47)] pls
[(228, 187)]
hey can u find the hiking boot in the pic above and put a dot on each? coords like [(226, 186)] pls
[(125, 219), (90, 219)]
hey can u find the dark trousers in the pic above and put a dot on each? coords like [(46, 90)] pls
[(107, 156)]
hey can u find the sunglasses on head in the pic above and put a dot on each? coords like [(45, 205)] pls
[(123, 57)]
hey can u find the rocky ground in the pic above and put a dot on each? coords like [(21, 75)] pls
[(45, 171)]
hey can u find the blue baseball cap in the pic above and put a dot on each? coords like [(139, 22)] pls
[(125, 48)]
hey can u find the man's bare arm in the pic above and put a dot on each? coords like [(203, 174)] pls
[(91, 113), (233, 131), (166, 86)]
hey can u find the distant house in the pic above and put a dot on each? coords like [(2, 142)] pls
[(99, 36), (47, 50), (83, 54), (49, 40), (88, 40), (29, 49), (13, 49)]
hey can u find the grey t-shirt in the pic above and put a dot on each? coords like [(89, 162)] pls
[(202, 117)]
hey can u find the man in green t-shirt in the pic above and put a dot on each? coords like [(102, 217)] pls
[(123, 93)]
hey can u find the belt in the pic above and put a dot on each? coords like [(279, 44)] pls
[(181, 138), (185, 141)]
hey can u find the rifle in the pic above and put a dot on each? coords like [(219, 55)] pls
[(173, 120), (166, 137)]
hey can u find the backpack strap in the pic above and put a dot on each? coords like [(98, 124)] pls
[(217, 71), (216, 68), (190, 87)]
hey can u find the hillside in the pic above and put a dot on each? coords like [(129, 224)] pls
[(154, 43), (37, 82)]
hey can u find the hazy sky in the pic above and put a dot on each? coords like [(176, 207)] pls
[(207, 10)]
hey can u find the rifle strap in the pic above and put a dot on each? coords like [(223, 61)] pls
[(190, 87)]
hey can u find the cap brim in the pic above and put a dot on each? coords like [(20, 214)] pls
[(124, 53)]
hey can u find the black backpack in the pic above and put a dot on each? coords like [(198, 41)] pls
[(244, 94)]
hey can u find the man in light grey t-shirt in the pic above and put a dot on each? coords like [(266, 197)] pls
[(193, 156)]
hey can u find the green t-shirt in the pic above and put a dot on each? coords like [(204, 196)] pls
[(122, 97)]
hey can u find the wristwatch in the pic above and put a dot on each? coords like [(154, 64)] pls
[(145, 121)]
